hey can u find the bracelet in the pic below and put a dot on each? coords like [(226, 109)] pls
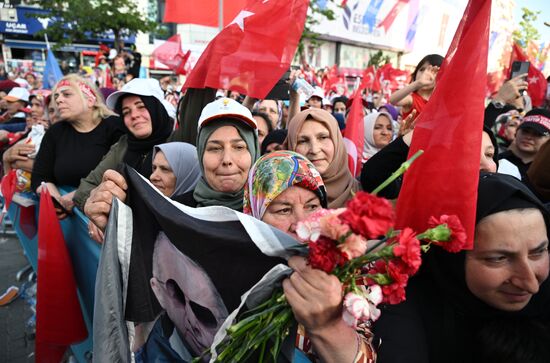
[(358, 347)]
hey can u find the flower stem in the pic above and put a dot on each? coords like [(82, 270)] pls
[(396, 174)]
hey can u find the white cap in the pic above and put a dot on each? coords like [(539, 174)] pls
[(226, 108), (17, 94), (318, 92), (142, 87)]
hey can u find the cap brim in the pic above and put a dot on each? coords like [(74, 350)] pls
[(113, 98), (535, 126), (13, 99), (232, 116)]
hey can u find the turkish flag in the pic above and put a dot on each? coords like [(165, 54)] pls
[(252, 53), (204, 12), (171, 55), (354, 134), (369, 74), (444, 179), (537, 82), (59, 321)]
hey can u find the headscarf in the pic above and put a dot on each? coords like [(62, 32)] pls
[(369, 148), (184, 162), (204, 195), (339, 182), (496, 193), (275, 172), (276, 136), (139, 152)]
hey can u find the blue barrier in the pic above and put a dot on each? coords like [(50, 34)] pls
[(84, 254)]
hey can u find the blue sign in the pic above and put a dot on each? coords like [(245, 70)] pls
[(22, 23), (25, 24)]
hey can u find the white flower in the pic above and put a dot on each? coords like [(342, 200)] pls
[(308, 230)]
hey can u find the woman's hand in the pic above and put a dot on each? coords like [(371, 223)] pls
[(408, 124), (510, 90), (315, 297), (95, 233), (98, 205)]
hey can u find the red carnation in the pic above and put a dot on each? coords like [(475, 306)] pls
[(369, 215), (394, 293), (408, 248), (324, 255), (458, 238)]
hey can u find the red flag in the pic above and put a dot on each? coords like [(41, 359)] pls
[(59, 321), (537, 82), (8, 187), (444, 180), (252, 53), (204, 12), (354, 134), (171, 55), (369, 75)]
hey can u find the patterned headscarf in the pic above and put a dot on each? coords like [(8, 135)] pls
[(275, 172)]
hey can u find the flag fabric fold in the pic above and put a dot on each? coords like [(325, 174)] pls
[(179, 267), (253, 51), (354, 134), (52, 71), (444, 180), (59, 321), (171, 55)]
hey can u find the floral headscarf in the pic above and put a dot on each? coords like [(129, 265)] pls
[(275, 172)]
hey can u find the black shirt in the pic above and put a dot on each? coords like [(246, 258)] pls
[(511, 157), (66, 155)]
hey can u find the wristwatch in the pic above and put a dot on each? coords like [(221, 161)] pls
[(497, 104)]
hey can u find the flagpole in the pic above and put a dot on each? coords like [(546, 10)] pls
[(220, 15)]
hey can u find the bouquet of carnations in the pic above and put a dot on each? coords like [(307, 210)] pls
[(359, 245)]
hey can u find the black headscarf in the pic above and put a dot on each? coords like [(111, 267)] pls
[(140, 151), (456, 326)]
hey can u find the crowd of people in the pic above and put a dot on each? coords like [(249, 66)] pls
[(280, 161)]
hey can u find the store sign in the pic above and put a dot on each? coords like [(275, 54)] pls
[(20, 21)]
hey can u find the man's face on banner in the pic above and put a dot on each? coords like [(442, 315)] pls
[(187, 294)]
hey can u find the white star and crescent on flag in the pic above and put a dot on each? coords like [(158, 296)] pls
[(239, 19)]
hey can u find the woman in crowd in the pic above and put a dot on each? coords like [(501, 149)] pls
[(148, 122), (73, 147), (314, 133), (176, 169), (416, 94), (264, 125), (274, 141), (486, 305), (284, 188), (227, 145), (378, 133)]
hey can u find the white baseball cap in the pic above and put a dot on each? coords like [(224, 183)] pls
[(318, 92), (226, 108), (142, 87), (18, 94)]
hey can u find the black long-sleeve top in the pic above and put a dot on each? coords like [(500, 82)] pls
[(66, 155)]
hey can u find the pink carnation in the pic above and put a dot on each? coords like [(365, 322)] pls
[(332, 227), (354, 246), (310, 228)]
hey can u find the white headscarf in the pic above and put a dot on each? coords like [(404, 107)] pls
[(184, 162), (369, 148)]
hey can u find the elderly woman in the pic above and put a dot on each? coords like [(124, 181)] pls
[(314, 133), (74, 146), (227, 145), (176, 168), (489, 304), (284, 188), (378, 133)]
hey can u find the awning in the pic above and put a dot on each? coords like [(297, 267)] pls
[(28, 44)]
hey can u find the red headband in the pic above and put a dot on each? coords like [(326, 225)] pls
[(538, 119), (84, 88)]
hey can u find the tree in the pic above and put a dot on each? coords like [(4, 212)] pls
[(378, 59), (526, 32), (76, 20), (318, 9)]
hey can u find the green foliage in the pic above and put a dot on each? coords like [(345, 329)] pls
[(314, 15), (75, 20), (526, 31), (378, 59)]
